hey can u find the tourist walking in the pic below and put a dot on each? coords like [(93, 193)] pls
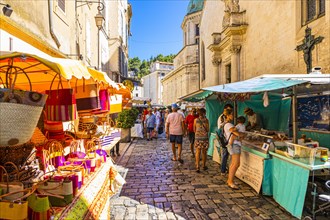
[(190, 129), (150, 123), (234, 146), (175, 131), (201, 129), (224, 151)]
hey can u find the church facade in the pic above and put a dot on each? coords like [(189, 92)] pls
[(238, 40), (184, 78), (243, 39)]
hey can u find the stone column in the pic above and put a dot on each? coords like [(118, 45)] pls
[(216, 64), (234, 62)]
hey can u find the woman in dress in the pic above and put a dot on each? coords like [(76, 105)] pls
[(201, 129)]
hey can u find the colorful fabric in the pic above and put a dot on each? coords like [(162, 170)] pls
[(201, 133), (61, 105), (104, 99), (22, 97), (87, 97)]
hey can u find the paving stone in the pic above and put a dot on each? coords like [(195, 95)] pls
[(214, 216), (264, 216), (157, 188)]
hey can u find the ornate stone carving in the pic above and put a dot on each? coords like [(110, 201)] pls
[(231, 7), (216, 61), (235, 49)]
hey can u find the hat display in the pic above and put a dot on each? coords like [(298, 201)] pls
[(174, 105), (247, 110)]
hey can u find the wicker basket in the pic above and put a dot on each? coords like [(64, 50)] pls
[(15, 154), (18, 122)]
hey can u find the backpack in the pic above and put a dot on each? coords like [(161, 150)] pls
[(223, 142)]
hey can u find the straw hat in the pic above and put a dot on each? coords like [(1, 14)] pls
[(248, 111)]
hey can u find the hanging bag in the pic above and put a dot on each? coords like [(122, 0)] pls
[(61, 103), (87, 97), (104, 99), (18, 116)]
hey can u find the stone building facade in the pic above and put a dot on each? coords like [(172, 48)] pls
[(152, 86), (67, 29), (184, 78), (246, 39)]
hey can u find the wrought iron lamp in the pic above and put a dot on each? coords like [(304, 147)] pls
[(7, 10)]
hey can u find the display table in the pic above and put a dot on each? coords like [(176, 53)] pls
[(290, 181), (255, 168), (137, 130), (91, 198)]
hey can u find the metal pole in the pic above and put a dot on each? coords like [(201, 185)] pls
[(98, 49), (294, 115)]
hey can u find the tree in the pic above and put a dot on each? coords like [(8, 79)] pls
[(142, 68)]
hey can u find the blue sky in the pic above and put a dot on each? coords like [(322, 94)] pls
[(156, 27)]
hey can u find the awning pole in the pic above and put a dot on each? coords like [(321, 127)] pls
[(294, 115)]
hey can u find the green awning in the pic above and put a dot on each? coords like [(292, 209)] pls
[(197, 97), (259, 84)]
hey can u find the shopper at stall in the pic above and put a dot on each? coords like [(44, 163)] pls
[(225, 154), (190, 129), (175, 129), (201, 129), (254, 120), (234, 147), (150, 123), (158, 120)]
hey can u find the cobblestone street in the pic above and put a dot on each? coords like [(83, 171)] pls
[(158, 188)]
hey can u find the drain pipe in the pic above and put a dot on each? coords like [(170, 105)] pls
[(50, 13)]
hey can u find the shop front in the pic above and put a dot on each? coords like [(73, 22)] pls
[(271, 159)]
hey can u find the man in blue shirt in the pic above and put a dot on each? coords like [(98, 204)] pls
[(150, 123)]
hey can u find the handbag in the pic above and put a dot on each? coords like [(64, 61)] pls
[(87, 97), (56, 190), (223, 141), (56, 152), (11, 187), (61, 104), (14, 209), (39, 207), (75, 150)]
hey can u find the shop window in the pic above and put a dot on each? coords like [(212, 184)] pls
[(312, 9), (61, 4), (228, 73)]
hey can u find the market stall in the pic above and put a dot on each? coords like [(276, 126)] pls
[(69, 170), (283, 177)]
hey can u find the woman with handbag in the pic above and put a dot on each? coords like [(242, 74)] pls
[(234, 146), (201, 129)]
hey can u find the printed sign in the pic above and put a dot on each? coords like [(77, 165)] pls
[(251, 170)]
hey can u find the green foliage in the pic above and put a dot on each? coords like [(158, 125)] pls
[(142, 68), (126, 118)]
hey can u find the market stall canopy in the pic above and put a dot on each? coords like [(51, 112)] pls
[(270, 82), (102, 77), (198, 96), (42, 70)]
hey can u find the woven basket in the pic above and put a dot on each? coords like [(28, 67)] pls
[(15, 154), (18, 122)]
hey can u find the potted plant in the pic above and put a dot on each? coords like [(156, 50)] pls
[(125, 121)]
